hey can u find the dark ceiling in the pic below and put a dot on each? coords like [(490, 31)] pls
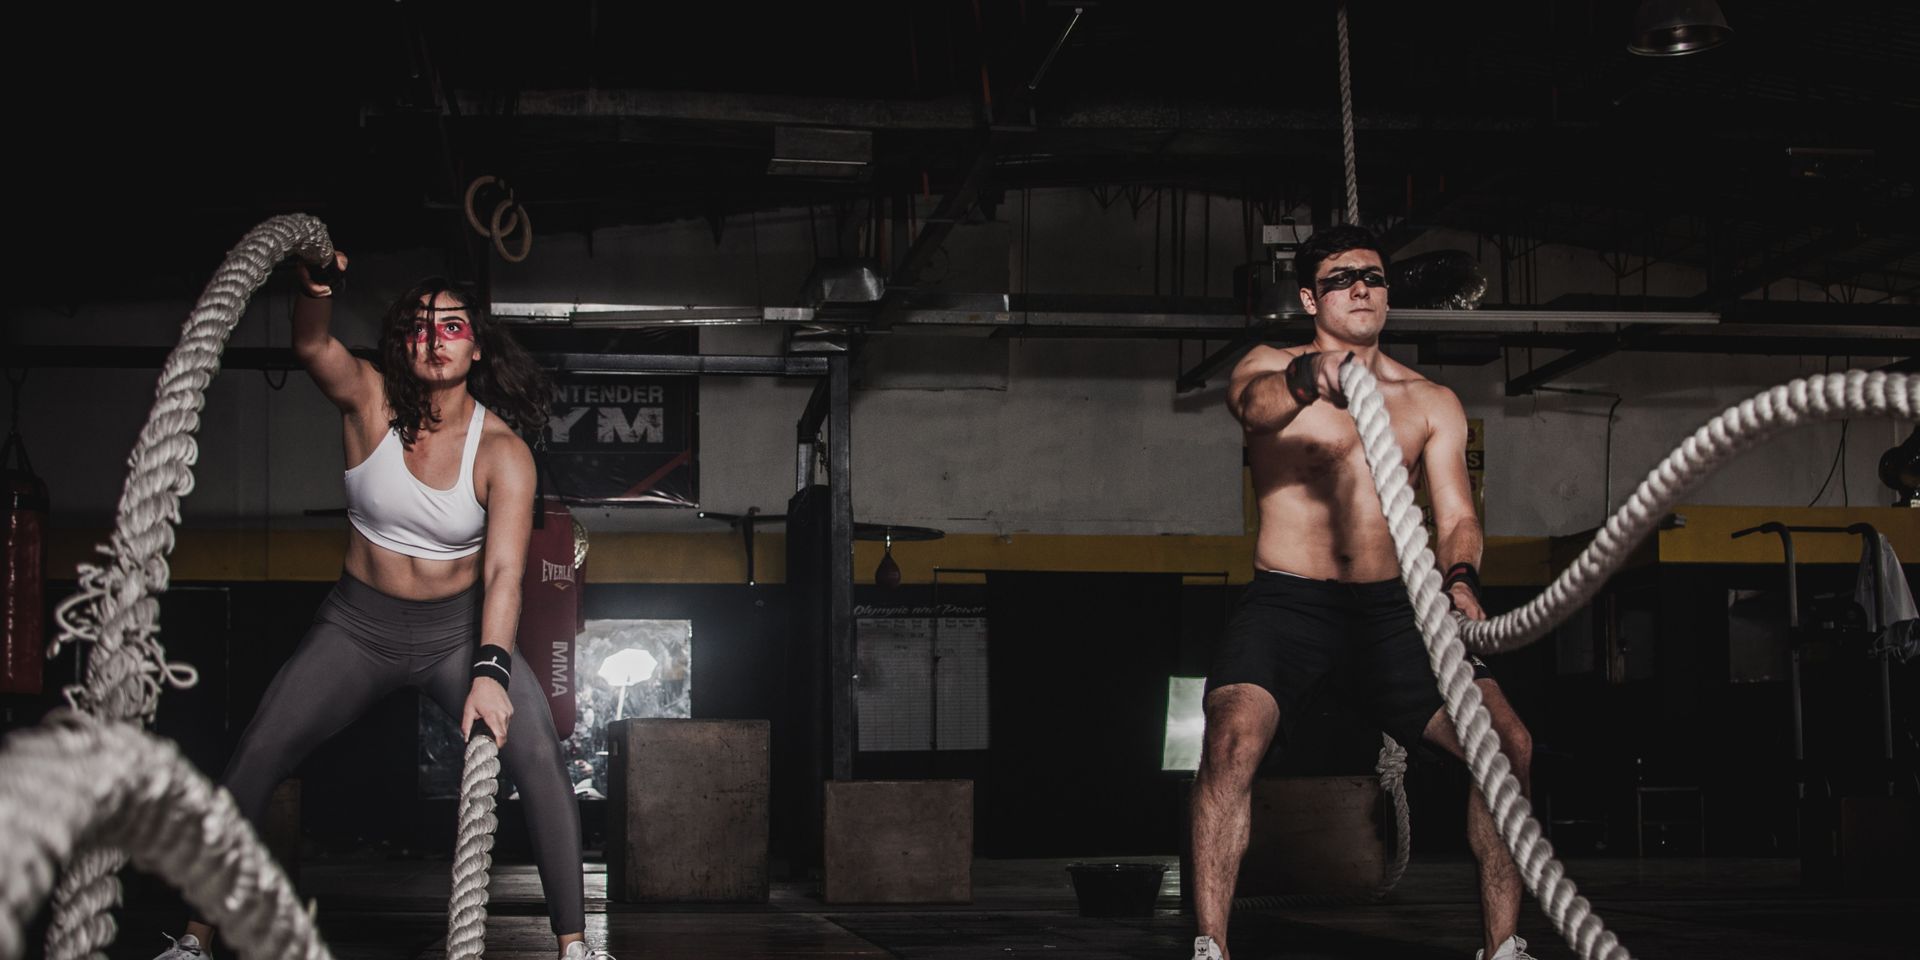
[(153, 138)]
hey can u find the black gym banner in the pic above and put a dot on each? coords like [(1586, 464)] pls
[(622, 439)]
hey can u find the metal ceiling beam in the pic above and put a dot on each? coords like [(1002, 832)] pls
[(1732, 289), (1906, 248), (634, 364), (108, 357), (1197, 377), (1726, 344), (1789, 345), (947, 113), (82, 356), (933, 234), (958, 112), (1695, 191), (1178, 313), (1432, 214), (1795, 313)]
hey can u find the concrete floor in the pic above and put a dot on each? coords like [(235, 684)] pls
[(1660, 908)]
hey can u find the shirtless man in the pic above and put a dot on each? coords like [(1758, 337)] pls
[(1326, 589)]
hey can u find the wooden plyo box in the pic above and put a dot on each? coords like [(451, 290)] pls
[(1319, 836), (899, 841), (687, 819), (1314, 835)]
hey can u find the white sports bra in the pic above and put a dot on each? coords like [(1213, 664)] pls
[(393, 509)]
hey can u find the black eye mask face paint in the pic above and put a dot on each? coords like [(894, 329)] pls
[(1342, 279)]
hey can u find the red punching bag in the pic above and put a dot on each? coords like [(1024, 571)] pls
[(550, 611), (23, 646)]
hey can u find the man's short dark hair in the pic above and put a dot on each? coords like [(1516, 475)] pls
[(1332, 242)]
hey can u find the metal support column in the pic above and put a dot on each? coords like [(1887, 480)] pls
[(841, 657), (807, 434)]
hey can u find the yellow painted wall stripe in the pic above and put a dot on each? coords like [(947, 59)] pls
[(310, 555), (315, 555), (1708, 534)]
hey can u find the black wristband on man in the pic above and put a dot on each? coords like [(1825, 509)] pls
[(1462, 573), (1301, 381), (494, 663)]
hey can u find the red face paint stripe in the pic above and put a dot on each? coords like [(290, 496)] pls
[(447, 330)]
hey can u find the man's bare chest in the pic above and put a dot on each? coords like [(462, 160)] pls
[(1324, 444)]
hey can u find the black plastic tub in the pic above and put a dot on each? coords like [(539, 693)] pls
[(1117, 889)]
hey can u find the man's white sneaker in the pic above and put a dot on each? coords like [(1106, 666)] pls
[(185, 948), (1205, 949), (1514, 948)]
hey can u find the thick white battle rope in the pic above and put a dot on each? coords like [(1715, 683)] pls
[(76, 779), (467, 911), (115, 608), (1392, 771), (1831, 396), (83, 903), (1532, 854)]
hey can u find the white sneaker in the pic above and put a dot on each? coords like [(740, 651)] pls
[(185, 948), (578, 950), (1205, 949), (1514, 948)]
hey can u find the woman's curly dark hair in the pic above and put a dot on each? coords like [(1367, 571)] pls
[(504, 378)]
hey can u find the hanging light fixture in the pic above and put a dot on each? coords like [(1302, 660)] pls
[(1672, 28)]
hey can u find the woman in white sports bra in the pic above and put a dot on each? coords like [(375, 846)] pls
[(440, 492)]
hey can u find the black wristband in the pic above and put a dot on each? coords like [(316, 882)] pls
[(326, 274), (494, 663), (1301, 382), (1463, 573)]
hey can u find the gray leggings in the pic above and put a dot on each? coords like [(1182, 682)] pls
[(364, 645)]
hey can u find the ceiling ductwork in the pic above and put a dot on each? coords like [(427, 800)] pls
[(821, 154)]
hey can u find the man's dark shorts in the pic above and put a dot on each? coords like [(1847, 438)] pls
[(1292, 633)]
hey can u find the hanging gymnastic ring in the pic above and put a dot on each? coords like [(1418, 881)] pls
[(520, 218), (473, 219)]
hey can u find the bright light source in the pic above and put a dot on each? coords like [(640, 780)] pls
[(628, 667), (624, 669), (1186, 723)]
